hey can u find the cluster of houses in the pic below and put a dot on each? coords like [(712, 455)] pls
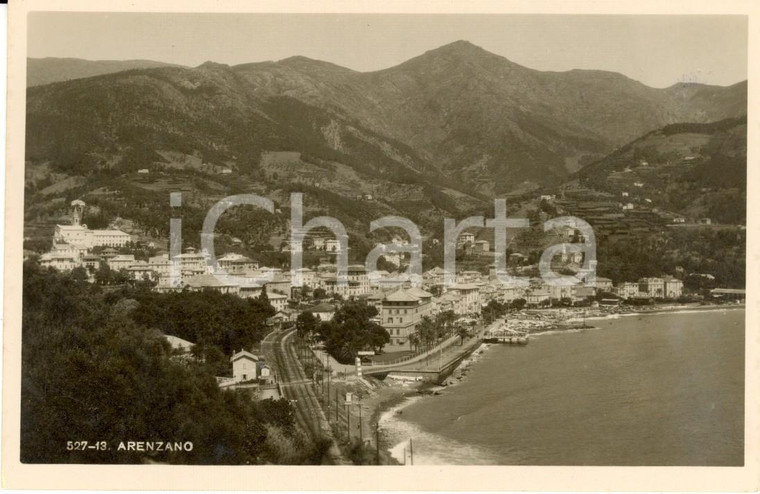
[(72, 242), (400, 307), (248, 369)]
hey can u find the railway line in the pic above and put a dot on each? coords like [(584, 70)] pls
[(295, 386)]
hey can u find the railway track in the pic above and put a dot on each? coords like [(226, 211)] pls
[(296, 387)]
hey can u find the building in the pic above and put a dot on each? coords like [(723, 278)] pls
[(673, 287), (465, 238), (603, 284), (468, 298), (628, 290), (161, 265), (728, 293), (201, 282), (236, 264), (482, 246), (244, 366), (307, 276), (192, 261), (122, 261), (91, 262), (110, 238), (538, 296), (59, 261), (581, 293), (652, 287), (178, 344), (249, 290), (279, 283), (72, 234), (357, 277), (332, 245), (141, 271), (517, 258), (278, 301), (402, 310), (323, 312)]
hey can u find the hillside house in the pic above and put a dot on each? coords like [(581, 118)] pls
[(465, 238), (244, 366)]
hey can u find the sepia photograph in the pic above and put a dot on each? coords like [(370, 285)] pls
[(381, 239)]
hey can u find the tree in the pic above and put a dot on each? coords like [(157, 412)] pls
[(319, 293), (263, 297), (426, 331), (306, 324), (414, 341), (463, 333), (351, 331), (91, 372), (444, 322)]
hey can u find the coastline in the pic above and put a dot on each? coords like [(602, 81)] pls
[(393, 398), (540, 321)]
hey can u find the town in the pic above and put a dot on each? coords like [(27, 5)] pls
[(400, 307)]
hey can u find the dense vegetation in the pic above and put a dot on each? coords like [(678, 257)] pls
[(350, 331), (93, 370), (721, 253)]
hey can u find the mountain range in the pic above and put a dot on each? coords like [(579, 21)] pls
[(440, 134), (458, 111), (47, 70)]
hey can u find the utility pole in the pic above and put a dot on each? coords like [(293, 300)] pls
[(348, 418), (411, 451), (361, 432)]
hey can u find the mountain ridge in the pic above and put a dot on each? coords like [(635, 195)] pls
[(477, 117)]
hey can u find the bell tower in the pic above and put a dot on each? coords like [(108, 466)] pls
[(77, 211)]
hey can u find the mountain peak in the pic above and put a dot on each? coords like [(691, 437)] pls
[(461, 47), (213, 65), (457, 52)]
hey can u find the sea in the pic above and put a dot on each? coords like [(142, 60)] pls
[(654, 389)]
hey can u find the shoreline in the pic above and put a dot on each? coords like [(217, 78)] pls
[(407, 394), (540, 321)]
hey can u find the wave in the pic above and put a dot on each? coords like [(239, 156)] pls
[(427, 448)]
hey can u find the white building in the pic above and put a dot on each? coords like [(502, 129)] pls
[(402, 310), (59, 261), (119, 262), (244, 366), (465, 238), (468, 298), (673, 287), (278, 301)]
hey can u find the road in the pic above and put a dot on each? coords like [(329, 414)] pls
[(296, 387)]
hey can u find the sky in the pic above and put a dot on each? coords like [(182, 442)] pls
[(656, 50)]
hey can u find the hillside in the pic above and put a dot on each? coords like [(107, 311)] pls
[(435, 136), (697, 170), (41, 71), (488, 122)]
